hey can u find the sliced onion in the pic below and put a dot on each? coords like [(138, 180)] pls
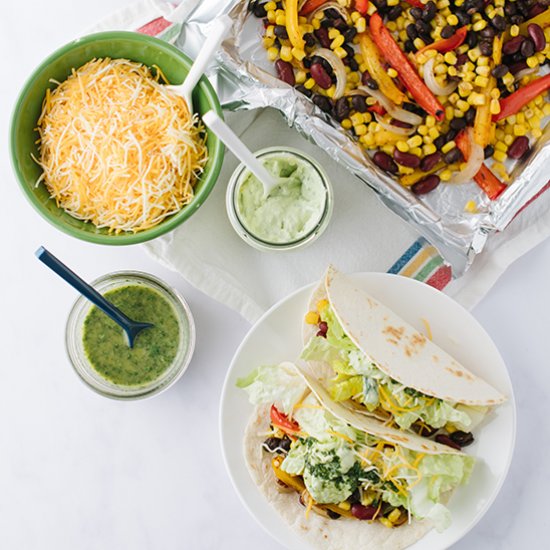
[(335, 6), (338, 68), (524, 72), (391, 108), (391, 128), (431, 82), (473, 164)]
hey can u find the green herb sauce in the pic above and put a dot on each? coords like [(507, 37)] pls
[(106, 345)]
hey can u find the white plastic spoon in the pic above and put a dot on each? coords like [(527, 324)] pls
[(217, 31), (241, 151)]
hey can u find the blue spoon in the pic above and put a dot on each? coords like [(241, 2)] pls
[(131, 328)]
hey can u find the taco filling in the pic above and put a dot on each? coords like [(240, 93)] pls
[(338, 470), (357, 378)]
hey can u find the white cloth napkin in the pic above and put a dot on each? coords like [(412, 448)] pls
[(362, 236)]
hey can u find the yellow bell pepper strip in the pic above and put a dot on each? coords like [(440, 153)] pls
[(485, 179), (371, 57), (447, 44), (408, 180), (513, 103), (393, 54), (483, 123), (292, 25)]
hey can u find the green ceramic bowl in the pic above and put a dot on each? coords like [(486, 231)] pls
[(23, 135)]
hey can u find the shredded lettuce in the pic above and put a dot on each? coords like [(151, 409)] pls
[(280, 385)]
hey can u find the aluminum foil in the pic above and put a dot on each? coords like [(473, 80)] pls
[(246, 80)]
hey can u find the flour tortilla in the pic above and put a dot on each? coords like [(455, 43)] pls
[(320, 532), (397, 348)]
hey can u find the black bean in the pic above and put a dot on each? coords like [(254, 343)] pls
[(353, 65), (414, 108), (428, 162), (271, 443), (350, 34), (322, 36), (447, 31), (510, 8), (471, 39), (450, 135), (355, 497), (470, 116), (429, 183), (439, 141), (499, 71), (422, 27), (517, 67), (340, 24), (385, 162), (303, 90), (423, 429), (341, 109), (326, 23), (406, 159), (411, 31), (446, 440), (461, 59), (537, 36), (486, 47), (307, 62), (517, 19), (359, 103), (395, 12), (499, 23), (473, 6), (487, 32), (349, 50), (462, 438), (463, 18), (322, 102), (332, 515), (488, 151), (527, 48), (409, 46), (309, 39), (429, 11), (285, 443), (458, 124), (259, 10), (416, 13), (519, 147), (280, 31), (331, 13), (454, 155)]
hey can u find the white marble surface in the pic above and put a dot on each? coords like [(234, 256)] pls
[(80, 471)]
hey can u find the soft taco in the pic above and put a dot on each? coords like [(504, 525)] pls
[(376, 363), (342, 479)]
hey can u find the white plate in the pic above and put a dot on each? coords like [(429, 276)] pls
[(277, 337)]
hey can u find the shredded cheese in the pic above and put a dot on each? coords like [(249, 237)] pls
[(117, 147)]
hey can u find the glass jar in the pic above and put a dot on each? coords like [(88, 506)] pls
[(75, 344), (247, 235)]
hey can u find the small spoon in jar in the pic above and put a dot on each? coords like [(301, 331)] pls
[(131, 328)]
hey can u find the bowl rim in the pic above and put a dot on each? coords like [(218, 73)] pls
[(216, 152)]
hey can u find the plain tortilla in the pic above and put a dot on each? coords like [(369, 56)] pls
[(322, 533), (397, 348)]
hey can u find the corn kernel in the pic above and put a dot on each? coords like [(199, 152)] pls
[(418, 43), (309, 83), (483, 61), (474, 54), (423, 130), (315, 23), (495, 93), (345, 505), (360, 130), (434, 133), (415, 141), (394, 515), (346, 124), (476, 98), (532, 61), (453, 98), (494, 107), (479, 25), (337, 42), (508, 139), (312, 318), (405, 170), (458, 113), (440, 69), (270, 6), (514, 30), (391, 26), (452, 19), (300, 76), (463, 105), (341, 53), (280, 19), (452, 71), (385, 521), (392, 72), (331, 91), (429, 148), (519, 130), (268, 42), (448, 146), (286, 53), (520, 118), (501, 146), (445, 175), (333, 33), (508, 79), (298, 54), (273, 53), (392, 3), (355, 15), (361, 25), (483, 70), (415, 151), (481, 81), (470, 207), (428, 139), (499, 155), (356, 119), (402, 146), (537, 132), (270, 31)]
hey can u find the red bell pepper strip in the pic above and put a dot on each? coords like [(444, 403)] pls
[(514, 102), (485, 179), (362, 6), (416, 4), (282, 421), (393, 54), (447, 44), (377, 108), (310, 6)]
